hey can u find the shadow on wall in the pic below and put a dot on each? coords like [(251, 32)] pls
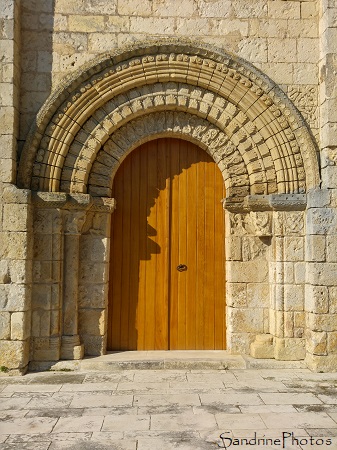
[(37, 26)]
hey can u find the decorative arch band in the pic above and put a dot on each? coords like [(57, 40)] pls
[(198, 93)]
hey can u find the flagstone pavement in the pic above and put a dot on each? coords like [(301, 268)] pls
[(169, 409)]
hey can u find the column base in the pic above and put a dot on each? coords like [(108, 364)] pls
[(289, 349), (262, 347), (71, 348)]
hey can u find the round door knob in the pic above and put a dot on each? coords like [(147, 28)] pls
[(182, 267)]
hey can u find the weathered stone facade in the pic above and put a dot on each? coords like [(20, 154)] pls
[(83, 83)]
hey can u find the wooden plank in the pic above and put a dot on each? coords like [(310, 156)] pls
[(151, 247), (174, 246), (200, 247), (219, 281), (162, 240), (209, 257), (135, 218), (192, 327), (126, 254), (143, 182)]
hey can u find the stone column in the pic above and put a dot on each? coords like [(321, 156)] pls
[(288, 279), (47, 276), (74, 217), (247, 250), (94, 276)]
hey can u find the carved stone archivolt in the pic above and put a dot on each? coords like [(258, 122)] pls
[(169, 88)]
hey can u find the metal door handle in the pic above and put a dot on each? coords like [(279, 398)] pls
[(182, 267)]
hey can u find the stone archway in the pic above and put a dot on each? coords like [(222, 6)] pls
[(178, 89)]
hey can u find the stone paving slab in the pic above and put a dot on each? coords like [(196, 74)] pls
[(167, 409)]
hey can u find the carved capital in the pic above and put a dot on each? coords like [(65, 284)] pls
[(103, 204), (73, 221)]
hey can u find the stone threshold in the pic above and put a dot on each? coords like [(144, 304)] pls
[(173, 359)]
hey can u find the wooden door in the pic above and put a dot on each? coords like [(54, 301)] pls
[(169, 214)]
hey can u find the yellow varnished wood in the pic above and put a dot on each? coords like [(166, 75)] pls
[(169, 212)]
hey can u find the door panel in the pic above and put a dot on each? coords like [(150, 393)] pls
[(168, 194)]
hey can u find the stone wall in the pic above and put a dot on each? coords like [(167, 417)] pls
[(281, 248), (279, 37)]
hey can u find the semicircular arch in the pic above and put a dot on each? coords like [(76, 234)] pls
[(111, 93)]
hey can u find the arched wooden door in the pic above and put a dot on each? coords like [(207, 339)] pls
[(167, 277)]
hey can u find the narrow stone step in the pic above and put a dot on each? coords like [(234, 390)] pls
[(175, 360)]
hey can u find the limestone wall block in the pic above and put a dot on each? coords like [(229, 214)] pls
[(305, 73), (307, 50), (95, 273), (309, 10), (321, 197), (47, 221), (247, 271), (15, 217), (285, 10), (322, 221), (258, 295), (92, 322), (7, 170), (299, 323), (254, 49), (70, 42), (94, 248), (240, 343), (102, 42), (281, 73), (15, 245), (289, 324), (43, 272), (14, 354), (4, 272), (321, 274), (86, 23), (134, 7), (321, 363), (5, 325), (315, 248), (94, 345), (331, 248), (289, 273), (41, 296), (293, 297), (46, 349), (233, 248), (246, 320), (93, 295), (289, 349), (217, 8), (316, 299), (332, 343), (247, 10), (282, 50), (300, 270), (15, 297), (317, 343), (293, 248), (20, 325), (322, 322), (166, 26), (333, 299), (170, 8), (8, 146), (278, 297)]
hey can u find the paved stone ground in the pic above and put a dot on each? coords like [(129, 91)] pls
[(168, 409)]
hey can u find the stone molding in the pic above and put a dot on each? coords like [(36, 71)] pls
[(273, 202), (205, 76)]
